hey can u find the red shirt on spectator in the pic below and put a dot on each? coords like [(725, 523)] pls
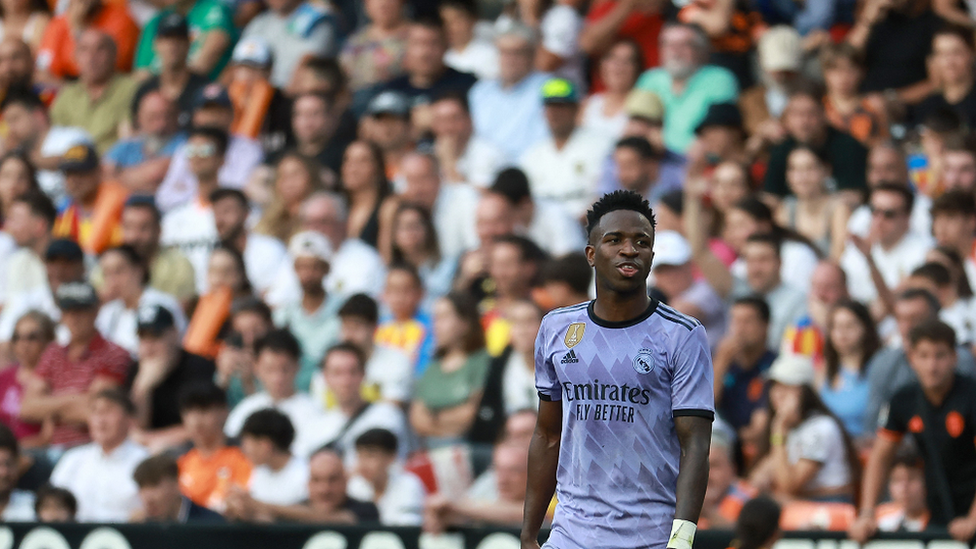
[(639, 27), (57, 52), (102, 359), (11, 395)]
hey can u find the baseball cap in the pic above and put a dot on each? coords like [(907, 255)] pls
[(154, 320), (389, 102), (791, 369), (644, 104), (212, 94), (670, 248), (721, 114), (80, 158), (76, 295), (310, 244), (63, 248), (252, 51), (172, 25), (559, 90), (780, 49)]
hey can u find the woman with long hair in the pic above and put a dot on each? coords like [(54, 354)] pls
[(372, 203), (33, 332), (415, 243), (447, 396), (620, 66), (26, 20), (296, 178), (806, 453), (852, 339), (813, 211), (17, 177)]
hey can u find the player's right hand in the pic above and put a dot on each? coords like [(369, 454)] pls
[(862, 529)]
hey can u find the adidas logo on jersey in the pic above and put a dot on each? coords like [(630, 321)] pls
[(569, 358)]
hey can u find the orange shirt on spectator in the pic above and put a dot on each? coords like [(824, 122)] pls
[(865, 124), (207, 480), (639, 27), (57, 52), (731, 505)]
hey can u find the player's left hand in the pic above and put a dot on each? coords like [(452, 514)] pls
[(962, 529)]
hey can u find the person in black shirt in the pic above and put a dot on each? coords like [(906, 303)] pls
[(952, 64), (939, 410), (158, 479), (155, 382)]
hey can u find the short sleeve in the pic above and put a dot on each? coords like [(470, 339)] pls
[(144, 51), (546, 380), (692, 390), (816, 441), (894, 415)]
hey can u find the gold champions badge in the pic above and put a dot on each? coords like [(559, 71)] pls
[(574, 334)]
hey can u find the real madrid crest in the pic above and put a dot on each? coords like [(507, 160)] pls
[(574, 334), (644, 361)]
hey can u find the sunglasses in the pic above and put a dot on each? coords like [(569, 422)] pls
[(29, 336), (203, 150), (887, 214)]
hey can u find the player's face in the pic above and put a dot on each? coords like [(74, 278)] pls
[(934, 363), (620, 251)]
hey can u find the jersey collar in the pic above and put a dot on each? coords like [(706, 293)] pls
[(651, 307)]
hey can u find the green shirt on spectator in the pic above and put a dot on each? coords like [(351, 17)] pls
[(205, 16), (439, 390)]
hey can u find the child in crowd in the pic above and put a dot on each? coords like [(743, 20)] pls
[(906, 512), (53, 504), (407, 328)]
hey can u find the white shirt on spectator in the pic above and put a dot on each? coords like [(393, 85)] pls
[(119, 325), (263, 256), (479, 57), (289, 42), (24, 271), (567, 176), (328, 427), (300, 408), (57, 142), (961, 316), (180, 185), (20, 507), (102, 483), (39, 299), (454, 218), (560, 28), (894, 264), (518, 385), (402, 503), (595, 120), (798, 261), (7, 249), (480, 162), (920, 221), (820, 439), (554, 229), (510, 118), (388, 369), (355, 268), (289, 486), (190, 227)]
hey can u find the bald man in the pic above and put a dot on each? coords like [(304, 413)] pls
[(16, 63), (452, 207), (140, 162)]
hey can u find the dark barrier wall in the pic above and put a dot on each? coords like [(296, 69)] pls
[(236, 536)]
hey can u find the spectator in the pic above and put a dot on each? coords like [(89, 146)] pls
[(125, 293), (372, 203), (950, 490), (463, 156), (318, 131), (415, 243), (15, 505), (951, 61), (375, 53), (619, 68), (726, 494), (894, 249), (637, 167), (140, 162), (809, 455), (954, 224), (68, 375), (674, 277), (508, 111), (58, 58), (741, 361), (559, 51), (262, 254), (91, 215), (99, 101), (170, 272), (564, 167), (159, 493), (610, 20), (250, 320), (32, 334), (99, 474), (297, 177), (348, 414), (828, 287), (566, 280), (780, 54), (398, 495), (29, 220), (20, 177), (848, 111), (211, 26), (685, 84), (451, 206), (852, 340), (293, 29), (959, 269), (955, 311), (26, 22), (407, 328), (211, 467), (513, 265), (907, 511), (467, 52), (810, 210), (806, 124), (171, 75), (212, 109), (758, 524), (55, 505), (312, 319), (16, 64), (276, 366), (278, 477), (958, 161), (887, 163), (29, 128), (719, 137), (447, 396), (156, 380)]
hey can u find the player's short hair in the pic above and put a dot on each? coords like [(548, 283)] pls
[(202, 395), (570, 269), (769, 239), (272, 425), (912, 294), (118, 397), (281, 341), (757, 303), (935, 272), (934, 331), (156, 469), (379, 439), (954, 202), (618, 200), (361, 306), (513, 184), (347, 347)]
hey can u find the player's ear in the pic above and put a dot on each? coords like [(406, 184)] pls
[(590, 252)]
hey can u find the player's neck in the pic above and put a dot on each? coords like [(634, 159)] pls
[(616, 307)]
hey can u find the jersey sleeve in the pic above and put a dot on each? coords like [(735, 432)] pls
[(546, 381), (692, 391), (895, 415)]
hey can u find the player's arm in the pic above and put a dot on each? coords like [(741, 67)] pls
[(694, 435), (543, 459)]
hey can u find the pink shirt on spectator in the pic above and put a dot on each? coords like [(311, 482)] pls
[(11, 394)]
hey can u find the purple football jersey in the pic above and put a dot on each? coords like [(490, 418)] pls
[(621, 385)]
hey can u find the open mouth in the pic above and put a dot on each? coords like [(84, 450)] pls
[(628, 270)]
